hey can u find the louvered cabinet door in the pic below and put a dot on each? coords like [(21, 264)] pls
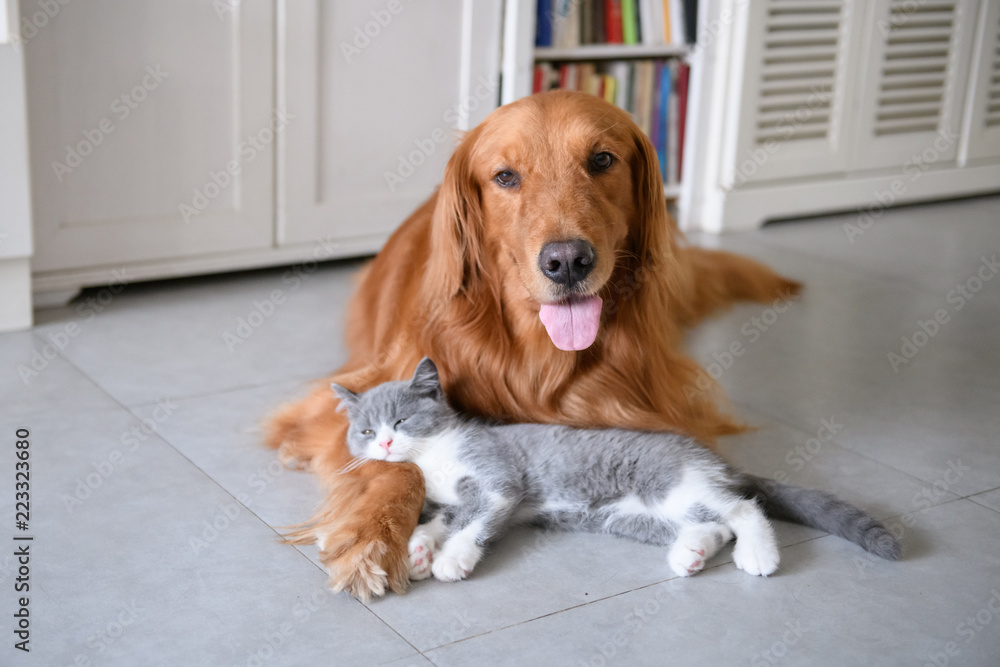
[(917, 63), (795, 91), (983, 133)]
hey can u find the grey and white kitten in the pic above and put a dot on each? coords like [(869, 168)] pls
[(657, 488)]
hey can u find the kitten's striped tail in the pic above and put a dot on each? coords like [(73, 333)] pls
[(826, 512)]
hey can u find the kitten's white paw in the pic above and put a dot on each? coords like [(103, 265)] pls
[(757, 555), (421, 549), (694, 546), (455, 561)]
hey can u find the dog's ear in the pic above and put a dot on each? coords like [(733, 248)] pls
[(456, 226), (653, 230)]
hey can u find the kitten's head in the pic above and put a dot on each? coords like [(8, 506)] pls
[(397, 421)]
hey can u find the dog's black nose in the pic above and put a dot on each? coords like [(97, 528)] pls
[(566, 262)]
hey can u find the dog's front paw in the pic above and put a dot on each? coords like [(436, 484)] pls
[(421, 549)]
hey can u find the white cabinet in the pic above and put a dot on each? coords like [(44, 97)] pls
[(810, 106), (137, 112), (193, 136), (914, 92)]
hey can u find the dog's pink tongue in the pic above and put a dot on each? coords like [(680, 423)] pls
[(572, 325)]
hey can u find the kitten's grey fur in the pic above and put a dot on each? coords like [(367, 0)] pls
[(658, 488)]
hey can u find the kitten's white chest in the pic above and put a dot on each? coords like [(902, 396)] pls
[(442, 469)]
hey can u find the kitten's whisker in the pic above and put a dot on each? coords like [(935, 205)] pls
[(353, 464)]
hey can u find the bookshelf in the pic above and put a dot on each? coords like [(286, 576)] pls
[(653, 42)]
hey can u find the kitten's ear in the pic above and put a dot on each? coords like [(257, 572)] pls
[(348, 399), (425, 379)]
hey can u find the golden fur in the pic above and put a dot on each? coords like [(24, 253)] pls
[(459, 282)]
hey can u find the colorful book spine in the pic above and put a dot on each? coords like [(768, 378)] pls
[(543, 23), (654, 92), (670, 77), (613, 21), (630, 22), (683, 76)]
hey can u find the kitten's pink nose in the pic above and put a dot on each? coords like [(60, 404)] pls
[(386, 445)]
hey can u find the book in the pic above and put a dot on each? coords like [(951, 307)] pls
[(667, 27), (619, 70), (676, 8), (664, 144), (543, 23), (613, 21), (691, 20), (566, 24), (630, 22), (683, 76), (651, 22), (587, 25), (670, 76), (600, 28)]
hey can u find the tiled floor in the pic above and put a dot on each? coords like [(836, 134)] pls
[(154, 506)]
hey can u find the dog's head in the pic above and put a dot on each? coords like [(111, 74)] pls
[(550, 197)]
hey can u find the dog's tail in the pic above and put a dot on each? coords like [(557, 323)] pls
[(826, 512)]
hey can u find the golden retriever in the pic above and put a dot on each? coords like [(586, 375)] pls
[(549, 284)]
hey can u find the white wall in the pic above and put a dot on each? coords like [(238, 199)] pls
[(15, 200)]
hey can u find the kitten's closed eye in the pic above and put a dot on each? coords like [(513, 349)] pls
[(368, 431), (399, 422)]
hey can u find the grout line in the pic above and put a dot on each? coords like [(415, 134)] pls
[(780, 420), (230, 390)]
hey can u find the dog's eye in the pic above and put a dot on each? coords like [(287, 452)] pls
[(368, 431), (601, 161), (399, 422), (507, 179)]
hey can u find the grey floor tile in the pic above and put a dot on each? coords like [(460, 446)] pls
[(140, 558), (825, 606), (989, 499), (203, 336), (826, 356), (936, 245), (222, 435)]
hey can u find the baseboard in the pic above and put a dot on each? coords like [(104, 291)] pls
[(15, 306)]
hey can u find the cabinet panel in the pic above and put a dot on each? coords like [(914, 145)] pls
[(792, 90), (983, 131), (376, 92), (918, 58), (151, 130)]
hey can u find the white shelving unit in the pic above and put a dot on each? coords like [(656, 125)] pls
[(804, 107), (520, 56)]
